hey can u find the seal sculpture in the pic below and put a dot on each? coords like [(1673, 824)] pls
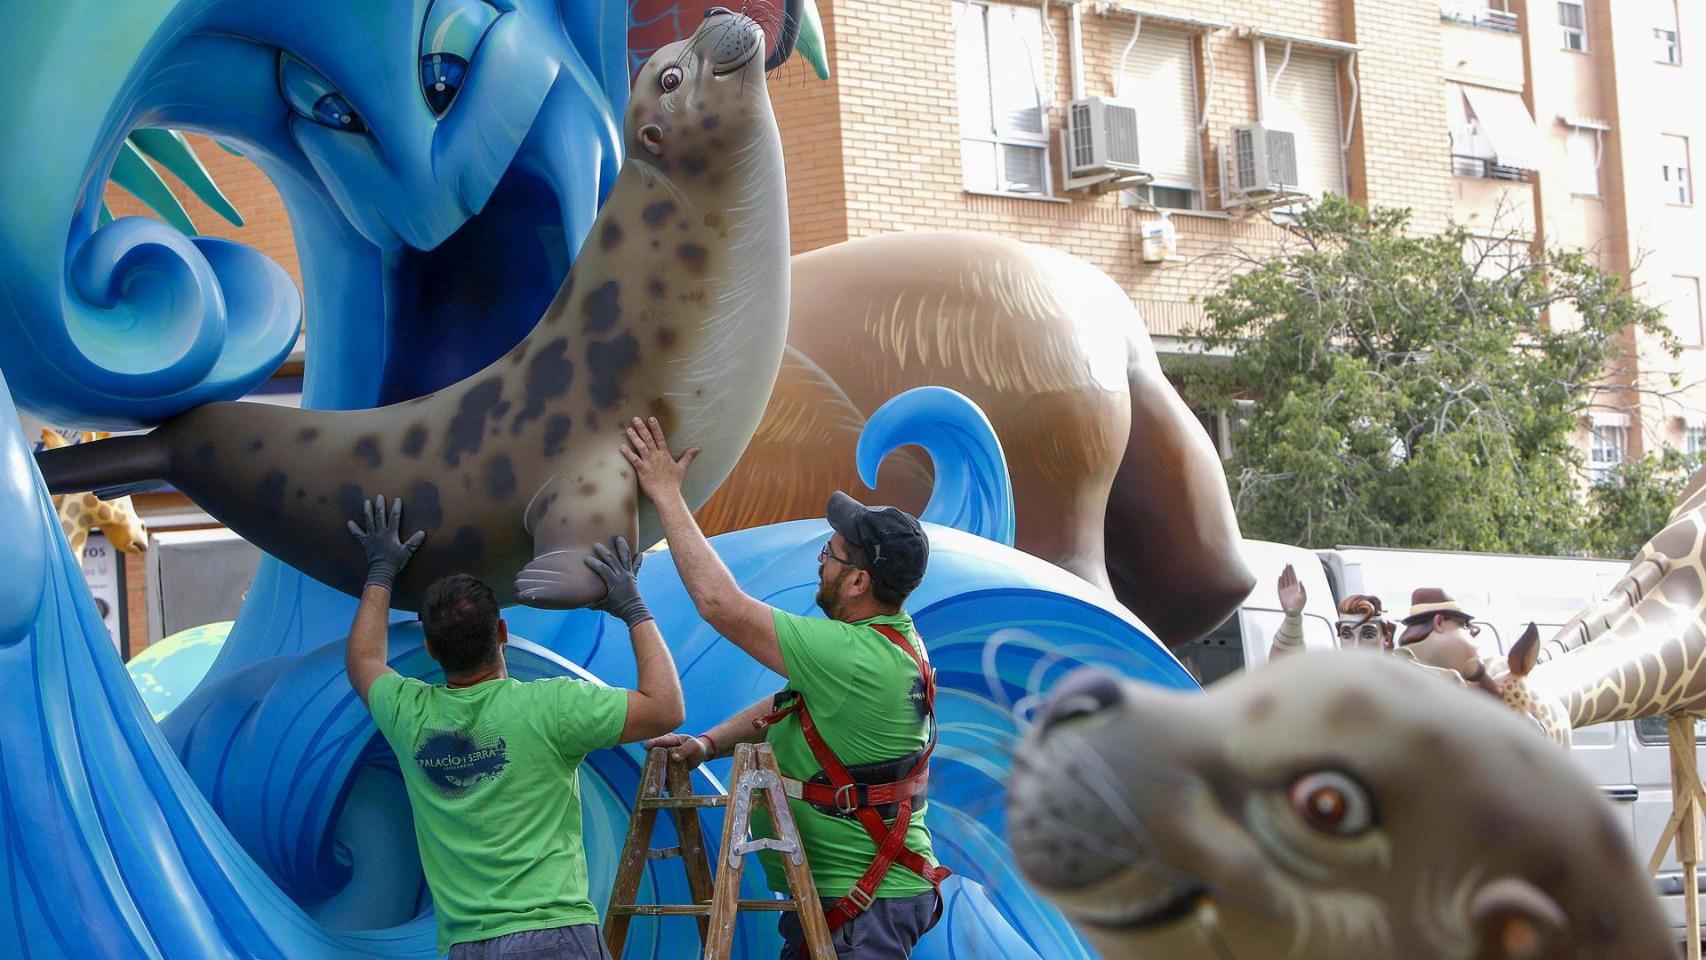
[(676, 308), (1323, 807), (1113, 476)]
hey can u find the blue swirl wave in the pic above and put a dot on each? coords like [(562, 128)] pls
[(973, 491)]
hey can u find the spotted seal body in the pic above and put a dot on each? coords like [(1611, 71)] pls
[(1324, 807), (675, 308)]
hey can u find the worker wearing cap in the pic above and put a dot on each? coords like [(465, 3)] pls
[(859, 687)]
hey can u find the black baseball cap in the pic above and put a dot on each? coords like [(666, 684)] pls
[(893, 540)]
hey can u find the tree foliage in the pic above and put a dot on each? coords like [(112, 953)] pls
[(1627, 508), (1417, 390)]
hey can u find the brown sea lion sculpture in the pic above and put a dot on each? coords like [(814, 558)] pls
[(675, 308), (1639, 653), (1322, 808), (1113, 476)]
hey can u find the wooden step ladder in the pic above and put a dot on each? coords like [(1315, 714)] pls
[(754, 778)]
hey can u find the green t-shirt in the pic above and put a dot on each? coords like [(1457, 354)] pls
[(493, 775), (866, 698)]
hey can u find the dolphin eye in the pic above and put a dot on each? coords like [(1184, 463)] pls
[(313, 96), (452, 33), (1332, 802), (670, 78)]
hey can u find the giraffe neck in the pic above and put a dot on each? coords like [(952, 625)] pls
[(1642, 651)]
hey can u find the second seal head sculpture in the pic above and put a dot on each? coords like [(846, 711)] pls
[(1324, 807), (677, 308)]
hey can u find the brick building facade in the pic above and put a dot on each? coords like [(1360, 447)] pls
[(1402, 85)]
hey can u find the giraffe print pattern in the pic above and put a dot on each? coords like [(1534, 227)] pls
[(81, 512), (1639, 653)]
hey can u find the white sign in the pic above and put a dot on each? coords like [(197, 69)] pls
[(103, 567)]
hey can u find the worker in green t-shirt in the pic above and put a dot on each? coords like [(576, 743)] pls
[(491, 764), (864, 677)]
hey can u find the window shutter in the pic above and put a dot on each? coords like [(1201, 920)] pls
[(1016, 69), (1305, 101), (972, 60), (1160, 80), (1584, 162)]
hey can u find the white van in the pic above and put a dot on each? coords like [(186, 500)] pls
[(1244, 638), (1629, 761)]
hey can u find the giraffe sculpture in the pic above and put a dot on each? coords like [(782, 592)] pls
[(81, 512), (1639, 653)]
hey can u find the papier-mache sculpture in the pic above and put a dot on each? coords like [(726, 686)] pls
[(1300, 811), (676, 308), (80, 513), (1639, 653), (1113, 476)]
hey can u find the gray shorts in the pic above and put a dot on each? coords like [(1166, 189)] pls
[(583, 941), (887, 931)]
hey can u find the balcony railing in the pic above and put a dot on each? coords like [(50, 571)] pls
[(1477, 14), (1482, 168)]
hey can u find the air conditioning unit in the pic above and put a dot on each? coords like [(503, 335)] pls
[(1101, 138), (1263, 161)]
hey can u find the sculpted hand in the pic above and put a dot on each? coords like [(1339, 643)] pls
[(619, 569), (1292, 596), (386, 554), (659, 473), (682, 748)]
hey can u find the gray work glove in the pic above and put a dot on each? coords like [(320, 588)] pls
[(618, 569), (386, 555)]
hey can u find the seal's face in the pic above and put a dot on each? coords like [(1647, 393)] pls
[(694, 99), (1323, 807)]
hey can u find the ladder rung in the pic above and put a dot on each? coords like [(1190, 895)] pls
[(663, 853), (786, 906), (696, 909), (677, 803), (662, 910)]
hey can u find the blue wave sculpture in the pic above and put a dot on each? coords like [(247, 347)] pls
[(284, 830), (264, 818)]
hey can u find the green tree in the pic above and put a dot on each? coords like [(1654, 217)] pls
[(1408, 389), (1632, 504)]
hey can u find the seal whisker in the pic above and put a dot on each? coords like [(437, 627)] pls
[(1152, 768), (1106, 789)]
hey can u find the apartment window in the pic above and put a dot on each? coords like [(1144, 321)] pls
[(1573, 20), (1003, 99), (1682, 310), (1303, 97), (1608, 444), (1492, 133), (1158, 74), (1584, 162), (1162, 197), (1674, 163), (1666, 49), (1694, 439)]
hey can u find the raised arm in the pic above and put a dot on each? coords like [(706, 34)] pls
[(719, 741), (654, 705), (1289, 637), (364, 653), (746, 622)]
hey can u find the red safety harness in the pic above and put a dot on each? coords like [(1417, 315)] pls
[(861, 800)]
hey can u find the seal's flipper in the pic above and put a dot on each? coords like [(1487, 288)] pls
[(567, 516), (113, 467)]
